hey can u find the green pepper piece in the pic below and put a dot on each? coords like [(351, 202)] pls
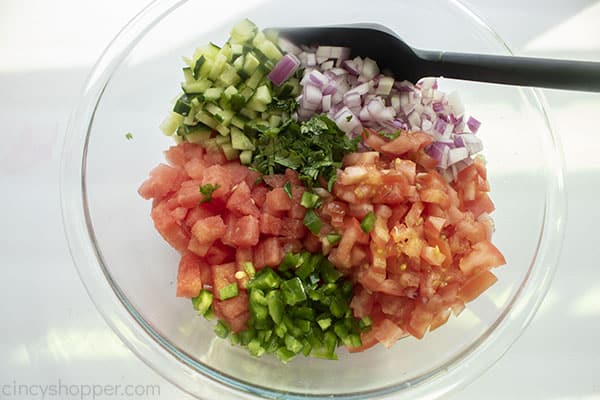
[(328, 272), (293, 344), (275, 306), (256, 349), (284, 355), (368, 222), (309, 200), (293, 291), (221, 329), (228, 292), (313, 222), (333, 238), (265, 279), (203, 301)]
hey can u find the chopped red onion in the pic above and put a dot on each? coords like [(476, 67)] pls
[(457, 154), (284, 69), (473, 124)]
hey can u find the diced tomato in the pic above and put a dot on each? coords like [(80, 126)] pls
[(276, 181), (297, 211), (215, 157), (234, 310), (408, 168), (168, 227), (196, 213), (437, 196), (189, 194), (407, 141), (292, 228), (352, 231), (362, 303), (189, 282), (312, 243), (209, 229), (253, 178), (387, 333), (476, 285), (268, 253), (259, 195), (270, 225), (199, 249), (360, 210), (432, 255), (336, 211), (218, 175), (239, 323), (195, 168), (219, 254), (483, 256), (424, 160), (358, 255), (246, 231), (277, 200), (373, 140), (223, 275), (163, 180), (237, 172), (363, 158), (419, 322), (371, 278), (481, 204), (413, 217), (440, 319), (240, 201), (175, 155)]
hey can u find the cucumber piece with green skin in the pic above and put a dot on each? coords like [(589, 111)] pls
[(206, 119), (239, 141), (171, 123), (228, 76), (183, 105), (223, 130), (221, 140), (255, 79), (198, 65), (251, 63), (198, 135), (239, 121)]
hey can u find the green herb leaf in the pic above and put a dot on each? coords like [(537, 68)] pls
[(207, 192), (288, 189), (391, 136), (129, 136)]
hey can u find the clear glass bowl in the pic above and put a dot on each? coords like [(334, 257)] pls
[(129, 271)]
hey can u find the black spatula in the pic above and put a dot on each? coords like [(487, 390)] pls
[(405, 62)]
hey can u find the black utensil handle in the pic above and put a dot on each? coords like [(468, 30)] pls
[(512, 70)]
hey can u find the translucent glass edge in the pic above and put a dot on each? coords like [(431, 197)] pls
[(70, 203)]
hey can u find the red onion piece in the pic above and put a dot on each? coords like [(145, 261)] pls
[(284, 69)]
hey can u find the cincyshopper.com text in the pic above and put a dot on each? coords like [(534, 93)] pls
[(86, 391)]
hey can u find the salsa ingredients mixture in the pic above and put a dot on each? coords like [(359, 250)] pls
[(317, 202)]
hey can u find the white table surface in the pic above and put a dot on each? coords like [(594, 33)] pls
[(51, 334)]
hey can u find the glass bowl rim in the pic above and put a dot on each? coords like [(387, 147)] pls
[(184, 371)]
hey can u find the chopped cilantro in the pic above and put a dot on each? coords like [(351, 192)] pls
[(288, 189), (314, 148), (129, 136), (207, 191), (391, 136)]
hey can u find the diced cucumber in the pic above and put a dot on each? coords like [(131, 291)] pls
[(243, 31), (199, 134), (230, 91), (209, 51), (226, 51), (228, 76), (221, 140), (251, 63), (217, 68), (177, 139), (237, 49), (248, 113), (198, 65), (270, 50), (213, 93), (223, 130), (258, 39), (261, 98), (213, 109), (239, 121), (255, 79), (206, 119), (183, 105), (196, 87), (246, 157), (238, 63), (239, 141), (230, 152), (274, 121), (246, 92)]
